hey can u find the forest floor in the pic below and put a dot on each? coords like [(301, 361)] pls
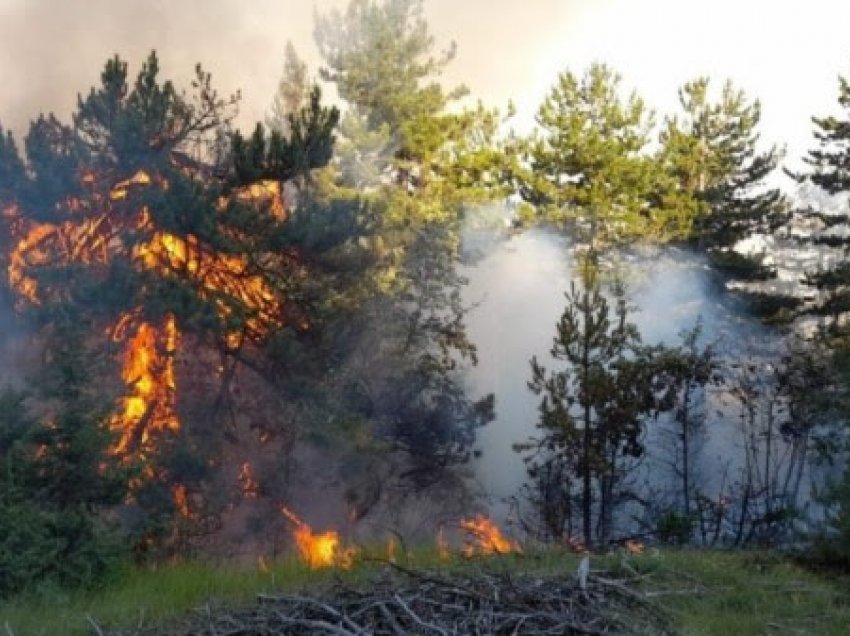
[(661, 592)]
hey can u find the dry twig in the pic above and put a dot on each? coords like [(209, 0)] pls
[(407, 601)]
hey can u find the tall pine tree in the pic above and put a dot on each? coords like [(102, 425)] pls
[(590, 166), (719, 176), (408, 167), (594, 408), (830, 170)]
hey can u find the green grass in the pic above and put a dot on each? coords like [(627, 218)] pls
[(149, 596), (726, 593), (748, 593), (145, 597)]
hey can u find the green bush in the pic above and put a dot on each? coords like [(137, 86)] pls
[(39, 546), (831, 545), (57, 477), (674, 528)]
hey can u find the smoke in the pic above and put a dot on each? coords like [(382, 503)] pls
[(519, 286), (51, 51), (59, 48)]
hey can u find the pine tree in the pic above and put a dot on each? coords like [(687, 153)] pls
[(56, 476), (407, 168), (136, 165), (380, 57), (593, 410), (686, 370), (12, 169), (12, 172), (830, 170), (829, 162), (718, 174), (308, 143), (590, 167), (378, 54), (125, 221), (293, 91)]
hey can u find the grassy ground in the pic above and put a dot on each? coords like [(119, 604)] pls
[(726, 593), (733, 593)]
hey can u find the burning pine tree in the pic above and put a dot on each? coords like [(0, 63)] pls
[(159, 227), (173, 241)]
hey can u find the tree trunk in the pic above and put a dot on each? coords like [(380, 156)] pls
[(587, 501), (686, 486)]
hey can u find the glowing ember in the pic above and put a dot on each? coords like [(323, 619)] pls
[(181, 501), (484, 537), (319, 550), (633, 547), (576, 545), (250, 487)]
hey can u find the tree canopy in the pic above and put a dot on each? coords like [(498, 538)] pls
[(590, 165)]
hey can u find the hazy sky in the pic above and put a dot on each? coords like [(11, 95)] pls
[(786, 52)]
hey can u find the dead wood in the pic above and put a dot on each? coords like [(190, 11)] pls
[(402, 600)]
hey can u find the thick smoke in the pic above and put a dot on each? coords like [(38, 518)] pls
[(50, 51), (519, 286), (59, 48)]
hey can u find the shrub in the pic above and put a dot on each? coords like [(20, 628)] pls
[(831, 545)]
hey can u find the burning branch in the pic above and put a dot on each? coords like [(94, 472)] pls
[(484, 537)]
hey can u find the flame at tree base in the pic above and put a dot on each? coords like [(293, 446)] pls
[(319, 550), (485, 537)]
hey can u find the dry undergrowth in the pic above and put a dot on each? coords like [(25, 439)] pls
[(400, 601)]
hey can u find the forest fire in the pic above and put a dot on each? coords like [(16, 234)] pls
[(319, 550), (108, 220), (484, 537), (27, 252), (149, 354), (343, 309)]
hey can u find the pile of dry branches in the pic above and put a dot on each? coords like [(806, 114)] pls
[(403, 601)]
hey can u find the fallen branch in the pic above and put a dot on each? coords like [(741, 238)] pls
[(400, 600)]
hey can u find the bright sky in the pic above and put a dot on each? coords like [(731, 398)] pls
[(786, 52)]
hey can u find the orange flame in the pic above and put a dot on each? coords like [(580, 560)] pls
[(319, 550), (148, 372), (181, 501), (484, 537), (28, 252), (148, 406), (217, 275)]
